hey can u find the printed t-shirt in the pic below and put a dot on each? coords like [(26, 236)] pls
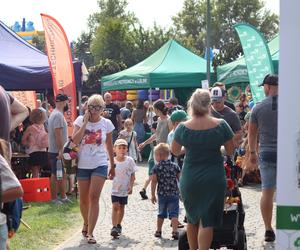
[(92, 152), (113, 110), (121, 181)]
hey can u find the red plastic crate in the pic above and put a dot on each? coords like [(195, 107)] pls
[(36, 189)]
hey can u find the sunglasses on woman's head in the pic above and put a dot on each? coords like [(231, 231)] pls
[(96, 107)]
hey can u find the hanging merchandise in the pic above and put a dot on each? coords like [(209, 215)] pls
[(166, 94), (154, 95), (234, 93), (142, 95)]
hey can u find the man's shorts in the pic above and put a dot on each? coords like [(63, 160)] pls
[(52, 160), (168, 206), (3, 236), (120, 200), (86, 174), (268, 170)]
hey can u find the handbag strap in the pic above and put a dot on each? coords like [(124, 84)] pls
[(130, 140)]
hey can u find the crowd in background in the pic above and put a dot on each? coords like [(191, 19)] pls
[(185, 142)]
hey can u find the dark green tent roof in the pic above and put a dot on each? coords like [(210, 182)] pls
[(236, 71), (172, 66)]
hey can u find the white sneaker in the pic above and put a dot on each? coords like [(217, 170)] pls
[(57, 202), (66, 200)]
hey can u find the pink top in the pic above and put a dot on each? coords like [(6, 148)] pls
[(31, 137)]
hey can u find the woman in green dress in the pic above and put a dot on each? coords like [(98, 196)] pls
[(202, 184)]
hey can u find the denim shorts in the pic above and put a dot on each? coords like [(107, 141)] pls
[(52, 160), (3, 236), (268, 171), (120, 200), (86, 174), (168, 206)]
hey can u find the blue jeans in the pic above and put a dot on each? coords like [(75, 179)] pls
[(86, 174), (3, 236), (268, 169), (168, 206)]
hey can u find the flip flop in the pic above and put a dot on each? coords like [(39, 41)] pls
[(91, 240)]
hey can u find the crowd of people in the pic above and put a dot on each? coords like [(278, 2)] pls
[(185, 161)]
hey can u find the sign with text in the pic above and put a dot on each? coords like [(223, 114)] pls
[(288, 169), (257, 57), (60, 60)]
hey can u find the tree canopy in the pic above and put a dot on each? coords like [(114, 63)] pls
[(115, 34)]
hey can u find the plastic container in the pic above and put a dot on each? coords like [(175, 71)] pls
[(36, 189), (59, 170)]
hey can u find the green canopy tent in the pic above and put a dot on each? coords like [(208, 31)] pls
[(172, 66), (236, 71)]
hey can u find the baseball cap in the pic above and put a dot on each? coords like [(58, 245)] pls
[(270, 80), (179, 115), (61, 98), (120, 142), (217, 94)]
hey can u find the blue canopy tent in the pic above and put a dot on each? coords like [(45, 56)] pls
[(24, 67)]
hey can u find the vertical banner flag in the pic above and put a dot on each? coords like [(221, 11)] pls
[(288, 168), (257, 56), (60, 60)]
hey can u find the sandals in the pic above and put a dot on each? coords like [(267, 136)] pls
[(91, 239), (157, 234), (175, 235), (84, 230)]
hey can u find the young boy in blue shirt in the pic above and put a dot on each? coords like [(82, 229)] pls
[(165, 175)]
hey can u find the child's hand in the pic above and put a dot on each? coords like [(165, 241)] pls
[(111, 173), (153, 199), (130, 190)]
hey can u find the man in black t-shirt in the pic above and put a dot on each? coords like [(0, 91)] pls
[(113, 113), (220, 110)]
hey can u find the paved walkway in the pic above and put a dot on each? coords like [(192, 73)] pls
[(140, 222)]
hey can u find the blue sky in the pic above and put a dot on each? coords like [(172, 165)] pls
[(73, 14)]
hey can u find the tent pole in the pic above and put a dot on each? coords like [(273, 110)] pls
[(208, 42), (79, 102)]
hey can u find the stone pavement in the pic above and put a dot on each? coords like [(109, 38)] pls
[(139, 223)]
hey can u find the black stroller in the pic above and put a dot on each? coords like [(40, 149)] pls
[(232, 233)]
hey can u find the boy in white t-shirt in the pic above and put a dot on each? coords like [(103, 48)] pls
[(122, 184)]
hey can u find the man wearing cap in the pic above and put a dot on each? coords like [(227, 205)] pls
[(220, 110), (263, 125), (58, 136), (222, 86)]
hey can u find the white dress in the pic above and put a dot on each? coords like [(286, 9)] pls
[(132, 150)]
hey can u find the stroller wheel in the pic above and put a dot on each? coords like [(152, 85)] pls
[(183, 243), (242, 241)]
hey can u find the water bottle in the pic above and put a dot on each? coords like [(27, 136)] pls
[(59, 170)]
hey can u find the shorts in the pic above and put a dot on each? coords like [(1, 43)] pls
[(3, 236), (38, 158), (268, 173), (86, 174), (52, 160), (151, 163), (168, 206), (120, 200)]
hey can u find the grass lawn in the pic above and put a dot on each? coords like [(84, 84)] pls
[(50, 225)]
